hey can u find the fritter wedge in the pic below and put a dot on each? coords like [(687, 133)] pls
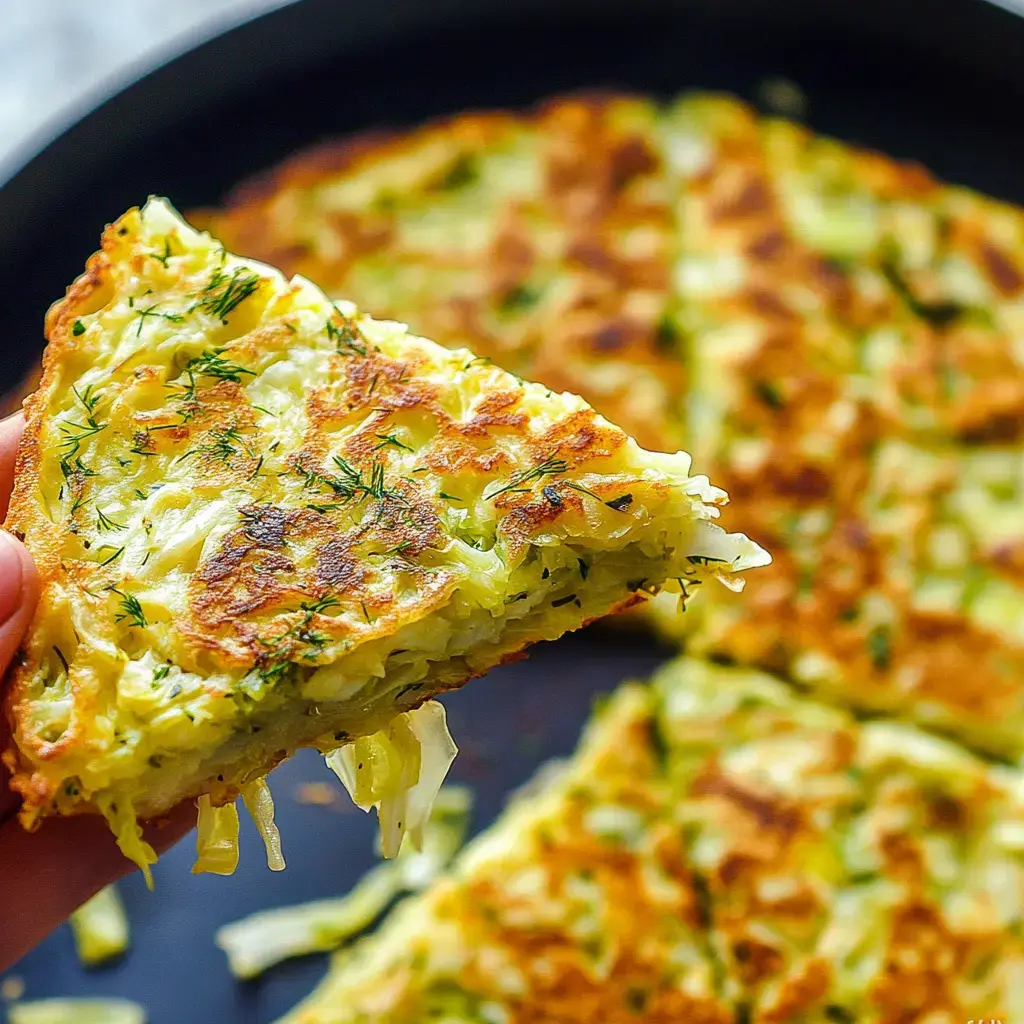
[(265, 521), (720, 848)]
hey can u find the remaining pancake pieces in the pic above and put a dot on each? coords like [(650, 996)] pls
[(836, 335), (265, 521), (719, 849)]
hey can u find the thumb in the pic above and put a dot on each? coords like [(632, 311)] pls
[(19, 587)]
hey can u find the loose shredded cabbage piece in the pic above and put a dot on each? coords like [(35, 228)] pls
[(256, 943), (216, 838), (77, 1011), (260, 804), (398, 770), (128, 834), (100, 927)]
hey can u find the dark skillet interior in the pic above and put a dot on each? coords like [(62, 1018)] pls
[(940, 81)]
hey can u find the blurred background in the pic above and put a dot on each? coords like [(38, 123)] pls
[(54, 53)]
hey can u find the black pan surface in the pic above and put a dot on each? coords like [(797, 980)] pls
[(941, 81)]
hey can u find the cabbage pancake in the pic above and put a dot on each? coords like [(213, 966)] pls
[(719, 850), (263, 520), (836, 334)]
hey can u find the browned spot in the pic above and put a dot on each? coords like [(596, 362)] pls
[(754, 959), (1001, 269), (752, 198), (771, 813), (336, 566), (631, 158), (264, 524), (768, 245)]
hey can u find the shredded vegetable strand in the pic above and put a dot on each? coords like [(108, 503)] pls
[(260, 804), (77, 1011), (128, 834), (100, 927), (398, 770), (256, 943), (216, 839)]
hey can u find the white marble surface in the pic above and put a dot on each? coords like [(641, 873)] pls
[(55, 53)]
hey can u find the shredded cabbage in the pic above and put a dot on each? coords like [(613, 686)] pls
[(260, 804), (216, 839), (262, 940), (398, 770), (100, 927), (77, 1011), (128, 834)]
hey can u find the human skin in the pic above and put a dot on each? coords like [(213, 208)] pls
[(47, 874)]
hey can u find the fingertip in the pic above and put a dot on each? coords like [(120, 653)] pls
[(19, 590)]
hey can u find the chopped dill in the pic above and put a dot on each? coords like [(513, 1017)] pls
[(211, 364), (109, 559), (584, 568), (449, 497), (344, 335), (151, 311), (105, 523), (130, 609), (63, 660), (165, 255), (224, 294), (703, 559), (563, 600), (391, 439), (75, 433), (549, 467), (350, 482), (161, 673), (78, 328)]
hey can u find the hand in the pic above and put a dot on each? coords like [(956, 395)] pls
[(46, 874)]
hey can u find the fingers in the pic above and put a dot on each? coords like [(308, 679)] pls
[(19, 588), (10, 434), (46, 875)]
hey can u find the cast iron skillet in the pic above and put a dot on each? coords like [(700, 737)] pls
[(941, 81)]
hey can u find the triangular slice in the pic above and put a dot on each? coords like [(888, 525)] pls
[(265, 521)]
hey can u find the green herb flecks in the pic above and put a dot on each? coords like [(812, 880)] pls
[(549, 467), (110, 558), (131, 609), (163, 257), (620, 504), (223, 446), (704, 560), (879, 644), (63, 660), (224, 293), (344, 335), (769, 394), (462, 171), (390, 439), (78, 328), (104, 523), (518, 300), (349, 483), (153, 312), (73, 434), (298, 641)]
